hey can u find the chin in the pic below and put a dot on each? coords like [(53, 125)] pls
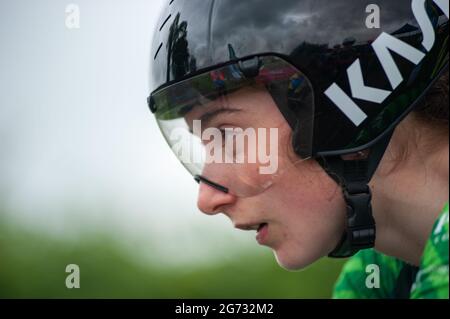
[(293, 262)]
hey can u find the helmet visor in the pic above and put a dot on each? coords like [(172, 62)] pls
[(232, 127)]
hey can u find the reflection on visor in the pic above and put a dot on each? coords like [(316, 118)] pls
[(228, 126)]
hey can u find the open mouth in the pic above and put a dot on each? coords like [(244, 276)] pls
[(251, 227), (262, 231), (261, 227)]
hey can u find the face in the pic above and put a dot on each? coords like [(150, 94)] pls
[(298, 211)]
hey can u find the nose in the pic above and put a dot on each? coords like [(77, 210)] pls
[(211, 200)]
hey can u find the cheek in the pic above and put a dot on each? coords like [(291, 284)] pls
[(311, 217), (308, 191)]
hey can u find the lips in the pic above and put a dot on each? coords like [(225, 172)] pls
[(262, 230), (263, 233)]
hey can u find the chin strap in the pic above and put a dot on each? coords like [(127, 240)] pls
[(360, 230), (354, 176)]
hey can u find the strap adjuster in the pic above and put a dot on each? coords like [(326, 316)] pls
[(361, 228)]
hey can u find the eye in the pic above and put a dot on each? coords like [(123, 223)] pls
[(227, 133)]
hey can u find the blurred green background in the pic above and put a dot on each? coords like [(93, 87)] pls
[(32, 265)]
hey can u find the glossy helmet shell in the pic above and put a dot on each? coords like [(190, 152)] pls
[(366, 77)]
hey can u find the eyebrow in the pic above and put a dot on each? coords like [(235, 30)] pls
[(208, 117)]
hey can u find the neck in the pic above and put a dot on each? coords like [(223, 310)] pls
[(409, 192)]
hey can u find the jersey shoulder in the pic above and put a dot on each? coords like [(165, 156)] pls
[(368, 275), (432, 279)]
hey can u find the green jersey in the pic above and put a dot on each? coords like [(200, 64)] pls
[(370, 274)]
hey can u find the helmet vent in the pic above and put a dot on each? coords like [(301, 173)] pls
[(165, 21), (157, 51), (160, 29)]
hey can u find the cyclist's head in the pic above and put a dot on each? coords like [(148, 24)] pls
[(272, 107)]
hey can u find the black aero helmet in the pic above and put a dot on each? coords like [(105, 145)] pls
[(360, 78)]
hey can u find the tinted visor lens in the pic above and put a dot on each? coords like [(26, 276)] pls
[(232, 127)]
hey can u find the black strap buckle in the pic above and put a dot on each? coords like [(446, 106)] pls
[(354, 176), (361, 231)]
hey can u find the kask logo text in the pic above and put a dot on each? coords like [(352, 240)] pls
[(383, 46)]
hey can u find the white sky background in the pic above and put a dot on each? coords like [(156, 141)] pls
[(79, 148)]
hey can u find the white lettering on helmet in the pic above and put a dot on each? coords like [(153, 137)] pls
[(383, 46)]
